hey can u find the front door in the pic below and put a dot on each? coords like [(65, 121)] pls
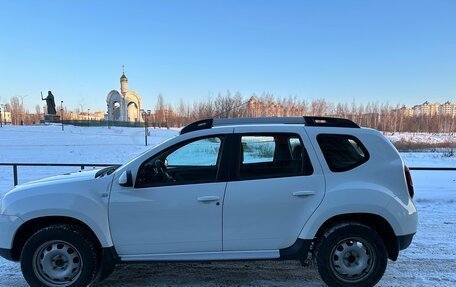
[(176, 204)]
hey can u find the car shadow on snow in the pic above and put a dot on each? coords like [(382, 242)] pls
[(251, 273)]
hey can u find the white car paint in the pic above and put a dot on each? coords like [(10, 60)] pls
[(76, 195), (376, 187), (166, 219), (270, 213), (255, 218)]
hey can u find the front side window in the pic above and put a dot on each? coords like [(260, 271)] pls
[(272, 155), (193, 162), (342, 152), (202, 152)]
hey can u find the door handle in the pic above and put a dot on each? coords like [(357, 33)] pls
[(304, 193), (208, 198)]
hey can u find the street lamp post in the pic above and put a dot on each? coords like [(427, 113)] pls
[(107, 116), (4, 114), (88, 117), (148, 119), (145, 127), (146, 116), (61, 113)]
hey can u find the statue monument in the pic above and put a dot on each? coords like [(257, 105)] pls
[(51, 114)]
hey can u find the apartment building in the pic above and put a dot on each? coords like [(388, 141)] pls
[(430, 109)]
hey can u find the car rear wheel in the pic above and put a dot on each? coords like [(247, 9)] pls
[(351, 254), (59, 255)]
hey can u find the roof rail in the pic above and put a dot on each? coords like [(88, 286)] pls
[(307, 121), (330, 122), (258, 121), (198, 125)]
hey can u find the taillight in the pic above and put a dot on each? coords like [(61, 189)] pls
[(408, 177)]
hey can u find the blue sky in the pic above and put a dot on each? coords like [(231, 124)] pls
[(396, 51)]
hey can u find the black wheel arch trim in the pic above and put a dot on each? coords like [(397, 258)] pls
[(298, 250), (109, 254), (7, 254)]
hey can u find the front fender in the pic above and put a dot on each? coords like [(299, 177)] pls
[(85, 201), (100, 226)]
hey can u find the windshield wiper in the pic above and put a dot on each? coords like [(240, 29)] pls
[(106, 171)]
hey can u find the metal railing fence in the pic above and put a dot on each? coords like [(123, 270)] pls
[(84, 165), (105, 123), (81, 165)]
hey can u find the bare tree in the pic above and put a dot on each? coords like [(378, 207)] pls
[(16, 109)]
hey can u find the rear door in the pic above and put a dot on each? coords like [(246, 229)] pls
[(275, 185)]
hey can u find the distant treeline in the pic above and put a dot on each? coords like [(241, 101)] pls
[(381, 116), (378, 115)]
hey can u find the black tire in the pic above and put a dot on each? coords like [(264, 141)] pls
[(60, 255), (351, 255)]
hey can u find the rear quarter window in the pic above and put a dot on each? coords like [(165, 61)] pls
[(342, 152)]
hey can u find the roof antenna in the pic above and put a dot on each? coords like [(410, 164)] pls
[(123, 69)]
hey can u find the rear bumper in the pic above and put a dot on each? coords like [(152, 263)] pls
[(404, 241), (399, 243)]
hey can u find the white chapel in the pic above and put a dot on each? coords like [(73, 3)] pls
[(124, 106)]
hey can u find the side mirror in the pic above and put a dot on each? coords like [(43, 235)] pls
[(126, 179)]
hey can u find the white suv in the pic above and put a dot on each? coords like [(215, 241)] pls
[(313, 189)]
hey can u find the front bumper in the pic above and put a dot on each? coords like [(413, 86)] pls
[(9, 224)]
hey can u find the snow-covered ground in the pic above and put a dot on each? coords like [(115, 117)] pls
[(429, 138), (49, 144), (430, 260)]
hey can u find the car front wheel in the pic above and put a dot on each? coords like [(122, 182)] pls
[(59, 255), (352, 255)]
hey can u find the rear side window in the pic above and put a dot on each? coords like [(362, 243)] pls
[(342, 152), (272, 155), (258, 149)]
